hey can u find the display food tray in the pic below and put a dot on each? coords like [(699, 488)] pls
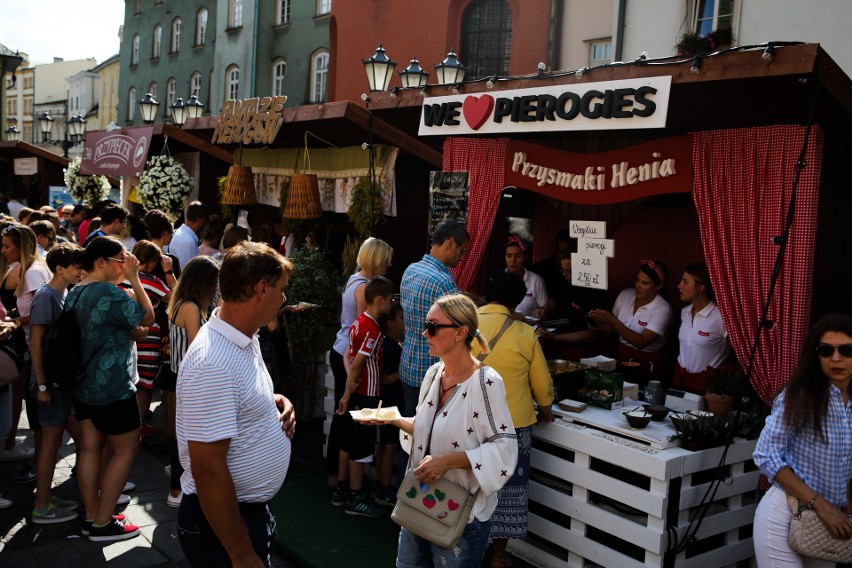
[(655, 434)]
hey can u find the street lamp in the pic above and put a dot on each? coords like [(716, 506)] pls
[(13, 134), (379, 69), (413, 75), (194, 107), (148, 108), (179, 112), (45, 122), (75, 127), (450, 71)]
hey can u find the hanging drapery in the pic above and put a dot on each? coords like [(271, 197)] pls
[(742, 186), (485, 159)]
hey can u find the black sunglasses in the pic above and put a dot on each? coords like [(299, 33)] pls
[(825, 350), (432, 327)]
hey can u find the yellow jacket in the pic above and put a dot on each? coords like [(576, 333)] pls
[(519, 360)]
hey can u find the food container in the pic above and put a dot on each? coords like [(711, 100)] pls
[(637, 418), (658, 412), (567, 376), (602, 388)]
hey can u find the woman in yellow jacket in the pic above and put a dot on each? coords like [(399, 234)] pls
[(517, 356)]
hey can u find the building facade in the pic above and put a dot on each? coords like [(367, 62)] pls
[(107, 96), (18, 100), (51, 95)]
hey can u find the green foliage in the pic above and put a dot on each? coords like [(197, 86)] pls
[(226, 209), (724, 383), (367, 207), (291, 224), (691, 43), (707, 431), (314, 280)]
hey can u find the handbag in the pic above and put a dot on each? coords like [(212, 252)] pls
[(810, 537), (437, 512), (166, 379)]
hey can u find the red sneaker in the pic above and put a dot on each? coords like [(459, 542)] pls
[(113, 531)]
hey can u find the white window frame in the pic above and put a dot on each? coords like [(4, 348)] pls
[(323, 7), (158, 41), (131, 104), (171, 94), (605, 45), (134, 50), (697, 20), (176, 25), (279, 68), (201, 26), (319, 76), (195, 84), (282, 12), (235, 14), (232, 82), (152, 88)]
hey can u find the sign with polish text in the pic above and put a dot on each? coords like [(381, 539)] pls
[(116, 152)]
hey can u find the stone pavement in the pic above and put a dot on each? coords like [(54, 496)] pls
[(24, 544)]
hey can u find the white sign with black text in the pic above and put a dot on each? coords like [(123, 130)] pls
[(588, 264)]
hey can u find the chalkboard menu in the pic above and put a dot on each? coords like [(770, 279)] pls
[(447, 197)]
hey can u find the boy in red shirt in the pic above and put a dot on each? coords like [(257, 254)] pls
[(363, 389)]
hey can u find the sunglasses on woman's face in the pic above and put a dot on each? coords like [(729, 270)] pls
[(432, 327), (826, 351)]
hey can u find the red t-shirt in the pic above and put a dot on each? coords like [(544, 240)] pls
[(365, 337)]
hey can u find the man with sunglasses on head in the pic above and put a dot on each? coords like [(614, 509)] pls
[(422, 283)]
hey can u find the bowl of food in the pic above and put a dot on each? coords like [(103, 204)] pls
[(658, 412), (638, 418)]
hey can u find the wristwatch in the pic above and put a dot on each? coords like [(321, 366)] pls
[(42, 388)]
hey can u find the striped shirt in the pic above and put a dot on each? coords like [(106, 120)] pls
[(422, 283), (366, 338), (824, 467), (224, 392), (178, 340)]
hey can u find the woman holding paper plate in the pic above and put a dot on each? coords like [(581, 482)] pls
[(462, 432)]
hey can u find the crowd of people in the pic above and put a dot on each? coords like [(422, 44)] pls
[(469, 378)]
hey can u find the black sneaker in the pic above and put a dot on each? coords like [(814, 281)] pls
[(364, 506), (113, 531), (340, 496), (386, 496), (87, 525)]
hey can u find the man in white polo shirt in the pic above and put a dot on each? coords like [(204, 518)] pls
[(233, 431)]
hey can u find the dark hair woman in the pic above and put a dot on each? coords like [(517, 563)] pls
[(535, 295), (804, 448), (640, 316)]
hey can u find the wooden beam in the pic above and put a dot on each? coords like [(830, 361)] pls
[(195, 142), (395, 136)]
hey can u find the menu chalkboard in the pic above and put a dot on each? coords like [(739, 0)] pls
[(447, 197)]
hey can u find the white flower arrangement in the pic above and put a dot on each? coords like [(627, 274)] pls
[(164, 185), (87, 190)]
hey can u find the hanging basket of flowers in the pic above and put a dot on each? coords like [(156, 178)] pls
[(164, 185), (87, 190)]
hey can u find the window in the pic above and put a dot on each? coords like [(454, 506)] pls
[(195, 84), (28, 106), (235, 14), (137, 7), (27, 134), (201, 26), (131, 104), (11, 107), (232, 82), (323, 7), (134, 51), (152, 88), (283, 15), (713, 15), (319, 73), (171, 89), (600, 52), (278, 68), (486, 38), (158, 41), (28, 82), (175, 35)]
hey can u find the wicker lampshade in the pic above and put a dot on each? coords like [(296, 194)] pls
[(303, 199), (239, 187)]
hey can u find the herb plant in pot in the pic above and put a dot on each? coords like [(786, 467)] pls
[(720, 390), (701, 432)]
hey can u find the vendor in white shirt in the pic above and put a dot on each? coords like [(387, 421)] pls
[(536, 296), (704, 344), (640, 317)]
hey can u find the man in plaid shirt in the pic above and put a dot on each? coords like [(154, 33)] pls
[(422, 283)]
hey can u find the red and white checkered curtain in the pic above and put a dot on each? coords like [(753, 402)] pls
[(742, 185), (484, 159)]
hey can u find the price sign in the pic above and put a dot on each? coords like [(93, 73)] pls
[(589, 271)]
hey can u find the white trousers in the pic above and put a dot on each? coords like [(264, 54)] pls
[(771, 525)]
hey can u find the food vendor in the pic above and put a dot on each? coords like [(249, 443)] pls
[(536, 296)]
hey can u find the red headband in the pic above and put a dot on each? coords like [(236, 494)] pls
[(514, 240), (653, 266)]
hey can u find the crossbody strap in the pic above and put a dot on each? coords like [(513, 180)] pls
[(506, 324)]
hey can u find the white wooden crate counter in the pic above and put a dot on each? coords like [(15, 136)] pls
[(597, 498)]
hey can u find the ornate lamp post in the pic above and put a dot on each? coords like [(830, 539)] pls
[(379, 69), (148, 108), (450, 71)]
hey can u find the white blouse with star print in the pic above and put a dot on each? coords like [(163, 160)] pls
[(476, 421)]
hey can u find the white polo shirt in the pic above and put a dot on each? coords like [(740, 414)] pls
[(225, 392), (536, 295), (656, 316), (703, 339)]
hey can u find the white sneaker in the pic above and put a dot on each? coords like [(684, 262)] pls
[(19, 452), (174, 501), (123, 499), (129, 486), (5, 503)]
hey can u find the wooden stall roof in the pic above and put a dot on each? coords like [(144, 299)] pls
[(10, 150), (731, 90)]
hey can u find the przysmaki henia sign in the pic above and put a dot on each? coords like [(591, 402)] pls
[(610, 105)]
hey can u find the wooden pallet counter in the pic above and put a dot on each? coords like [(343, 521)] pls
[(597, 498)]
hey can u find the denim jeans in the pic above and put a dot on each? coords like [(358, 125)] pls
[(416, 552), (200, 544)]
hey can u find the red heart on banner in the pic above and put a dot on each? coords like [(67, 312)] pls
[(477, 110)]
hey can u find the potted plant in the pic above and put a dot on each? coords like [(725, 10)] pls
[(164, 185), (87, 190), (699, 432), (692, 43), (721, 389)]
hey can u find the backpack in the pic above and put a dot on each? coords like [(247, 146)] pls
[(64, 361)]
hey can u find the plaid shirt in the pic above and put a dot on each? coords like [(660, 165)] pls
[(422, 283), (825, 468)]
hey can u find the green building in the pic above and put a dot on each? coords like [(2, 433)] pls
[(222, 49)]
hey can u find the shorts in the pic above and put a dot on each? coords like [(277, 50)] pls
[(392, 395), (54, 414), (119, 417), (359, 440)]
